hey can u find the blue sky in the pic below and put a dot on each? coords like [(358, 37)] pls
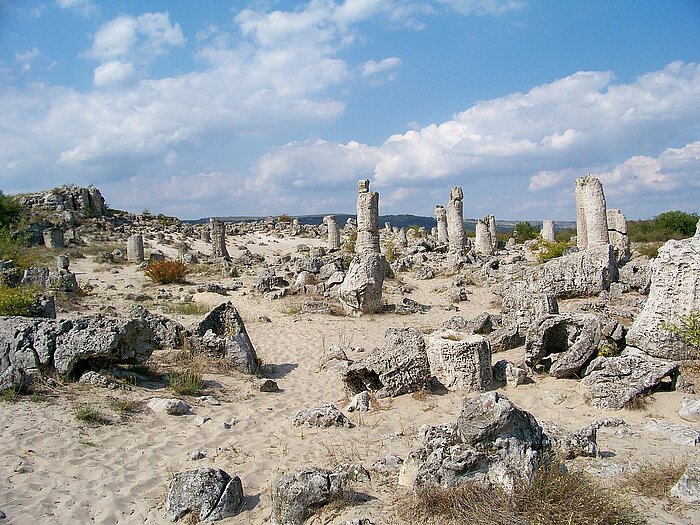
[(267, 107)]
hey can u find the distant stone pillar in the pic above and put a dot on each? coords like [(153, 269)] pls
[(434, 232), (617, 232), (333, 232), (96, 203), (490, 221), (548, 231), (218, 238), (482, 244), (591, 218), (134, 248), (53, 238), (367, 219), (62, 262), (402, 239), (455, 221), (441, 218), (204, 235), (387, 227)]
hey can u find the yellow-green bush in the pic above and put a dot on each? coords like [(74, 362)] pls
[(16, 301), (549, 250), (167, 272)]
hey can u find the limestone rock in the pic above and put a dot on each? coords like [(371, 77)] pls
[(323, 416), (459, 362), (172, 406), (562, 344), (690, 409), (361, 290), (570, 445), (210, 493), (687, 489), (674, 292), (520, 306), (612, 382), (296, 497), (360, 402), (221, 333), (400, 368)]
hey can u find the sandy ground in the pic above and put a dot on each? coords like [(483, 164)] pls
[(57, 470)]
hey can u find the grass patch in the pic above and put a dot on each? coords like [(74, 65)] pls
[(549, 250), (189, 382), (553, 497), (10, 395), (192, 308), (91, 414), (649, 249), (655, 480), (291, 309), (126, 406), (16, 300)]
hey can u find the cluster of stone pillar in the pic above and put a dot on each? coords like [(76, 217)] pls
[(218, 238), (367, 219)]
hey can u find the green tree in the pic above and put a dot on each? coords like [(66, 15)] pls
[(677, 221), (524, 231), (10, 211)]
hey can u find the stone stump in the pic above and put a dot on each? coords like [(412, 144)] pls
[(134, 248)]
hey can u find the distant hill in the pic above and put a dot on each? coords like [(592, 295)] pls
[(401, 221)]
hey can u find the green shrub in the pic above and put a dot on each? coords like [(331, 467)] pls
[(10, 211), (650, 249), (284, 218), (188, 383), (191, 308), (349, 244), (564, 235), (688, 329), (668, 225), (90, 414), (549, 250), (524, 231), (389, 252), (16, 301), (167, 272)]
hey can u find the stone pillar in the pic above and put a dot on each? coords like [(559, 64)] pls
[(455, 221), (441, 218), (97, 206), (617, 232), (367, 219), (204, 235), (490, 221), (482, 244), (387, 227), (548, 231), (591, 218), (53, 238), (134, 248), (62, 262), (218, 238), (333, 232), (402, 239)]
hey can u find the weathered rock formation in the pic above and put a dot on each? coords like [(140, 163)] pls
[(211, 494), (367, 219), (441, 218), (361, 290), (617, 233), (548, 231), (333, 232), (134, 248), (296, 497), (482, 244), (459, 362), (455, 221), (218, 238), (591, 217)]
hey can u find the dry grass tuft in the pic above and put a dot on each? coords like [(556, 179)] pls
[(553, 497), (167, 272), (655, 480)]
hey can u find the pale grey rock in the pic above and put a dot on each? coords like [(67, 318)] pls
[(367, 219), (570, 445), (547, 232), (679, 434), (360, 402), (13, 377), (690, 409), (635, 274), (166, 332), (93, 378), (687, 489), (506, 338), (459, 362), (134, 248), (441, 218), (455, 221), (296, 497), (591, 216), (612, 382), (401, 367), (218, 238), (520, 306), (333, 232), (617, 233), (562, 344), (361, 290), (483, 245), (674, 292), (53, 238), (211, 494), (323, 416), (172, 406)]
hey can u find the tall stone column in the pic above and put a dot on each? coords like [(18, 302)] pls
[(402, 239), (591, 217), (333, 232), (482, 244), (490, 221), (548, 231), (617, 231), (367, 219), (441, 218), (53, 238), (218, 238), (455, 221), (134, 248)]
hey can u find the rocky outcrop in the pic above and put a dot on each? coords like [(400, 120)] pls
[(361, 291), (222, 334), (296, 497), (209, 493), (674, 292), (520, 306), (562, 344), (401, 367), (612, 382), (459, 362)]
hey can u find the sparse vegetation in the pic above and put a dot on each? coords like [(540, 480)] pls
[(191, 308), (389, 251), (126, 406), (167, 272), (654, 480), (17, 300), (524, 231), (10, 211), (189, 382), (549, 250), (650, 249), (688, 329), (10, 395), (553, 497), (90, 414), (349, 244), (674, 224)]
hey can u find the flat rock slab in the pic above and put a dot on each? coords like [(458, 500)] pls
[(688, 487), (323, 416), (679, 434)]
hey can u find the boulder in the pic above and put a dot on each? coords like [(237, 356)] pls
[(562, 344), (459, 362), (687, 489), (166, 332), (674, 292), (690, 409), (210, 493), (612, 382), (323, 416), (221, 333), (172, 406), (520, 306), (296, 497), (570, 445), (361, 290), (400, 368)]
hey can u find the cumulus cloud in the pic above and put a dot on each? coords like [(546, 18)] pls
[(371, 67), (484, 7), (114, 73), (82, 7), (25, 58)]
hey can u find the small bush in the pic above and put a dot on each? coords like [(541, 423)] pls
[(524, 231), (126, 406), (349, 244), (10, 395), (688, 329), (16, 301), (668, 225), (167, 272), (189, 308), (188, 382), (90, 414), (284, 218), (655, 480), (650, 249), (10, 211), (549, 250)]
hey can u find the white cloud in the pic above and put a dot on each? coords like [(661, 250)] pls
[(484, 7), (372, 67), (114, 73), (82, 7), (545, 179), (25, 58), (114, 39)]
